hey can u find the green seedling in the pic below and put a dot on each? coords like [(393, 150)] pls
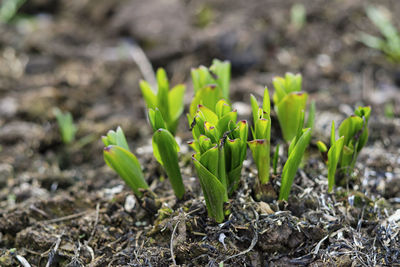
[(66, 125), (297, 16), (390, 43), (220, 144), (355, 132), (210, 85), (333, 155), (115, 138), (296, 152), (165, 150), (343, 151), (275, 160), (260, 145), (9, 9), (290, 104), (169, 102), (119, 158)]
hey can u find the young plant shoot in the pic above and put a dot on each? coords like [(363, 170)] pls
[(296, 151), (210, 85), (220, 145), (118, 156), (66, 125), (290, 104), (353, 133), (169, 102), (165, 150), (390, 43), (260, 145)]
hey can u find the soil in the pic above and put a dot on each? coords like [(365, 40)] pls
[(62, 206)]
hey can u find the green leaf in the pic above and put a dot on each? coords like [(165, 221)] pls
[(204, 144), (200, 78), (175, 99), (214, 192), (311, 116), (266, 101), (260, 149), (207, 96), (209, 159), (66, 125), (333, 133), (127, 166), (232, 153), (222, 69), (346, 158), (156, 120), (289, 112), (162, 94), (322, 147), (222, 108), (148, 94), (262, 129), (275, 160), (194, 144), (223, 123), (207, 114), (166, 148), (211, 132), (334, 154), (280, 90), (254, 107), (350, 127), (292, 164)]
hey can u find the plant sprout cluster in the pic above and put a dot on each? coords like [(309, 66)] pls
[(220, 141)]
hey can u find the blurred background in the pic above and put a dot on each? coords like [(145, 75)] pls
[(76, 54)]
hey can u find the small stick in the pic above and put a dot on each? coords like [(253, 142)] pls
[(54, 250), (172, 244), (23, 261), (66, 218), (95, 223)]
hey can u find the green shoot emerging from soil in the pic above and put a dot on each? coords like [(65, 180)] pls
[(220, 145), (296, 151), (66, 125), (118, 156), (260, 145), (390, 44), (353, 133), (169, 102), (165, 150), (290, 104), (297, 16), (210, 85)]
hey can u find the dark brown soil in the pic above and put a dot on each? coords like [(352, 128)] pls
[(62, 206)]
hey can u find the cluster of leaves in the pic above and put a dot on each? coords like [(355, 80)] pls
[(118, 156), (210, 85), (261, 143), (220, 141), (165, 108), (220, 146), (169, 102), (390, 43), (290, 105), (343, 151), (260, 146)]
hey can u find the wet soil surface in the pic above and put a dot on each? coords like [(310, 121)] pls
[(61, 206)]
